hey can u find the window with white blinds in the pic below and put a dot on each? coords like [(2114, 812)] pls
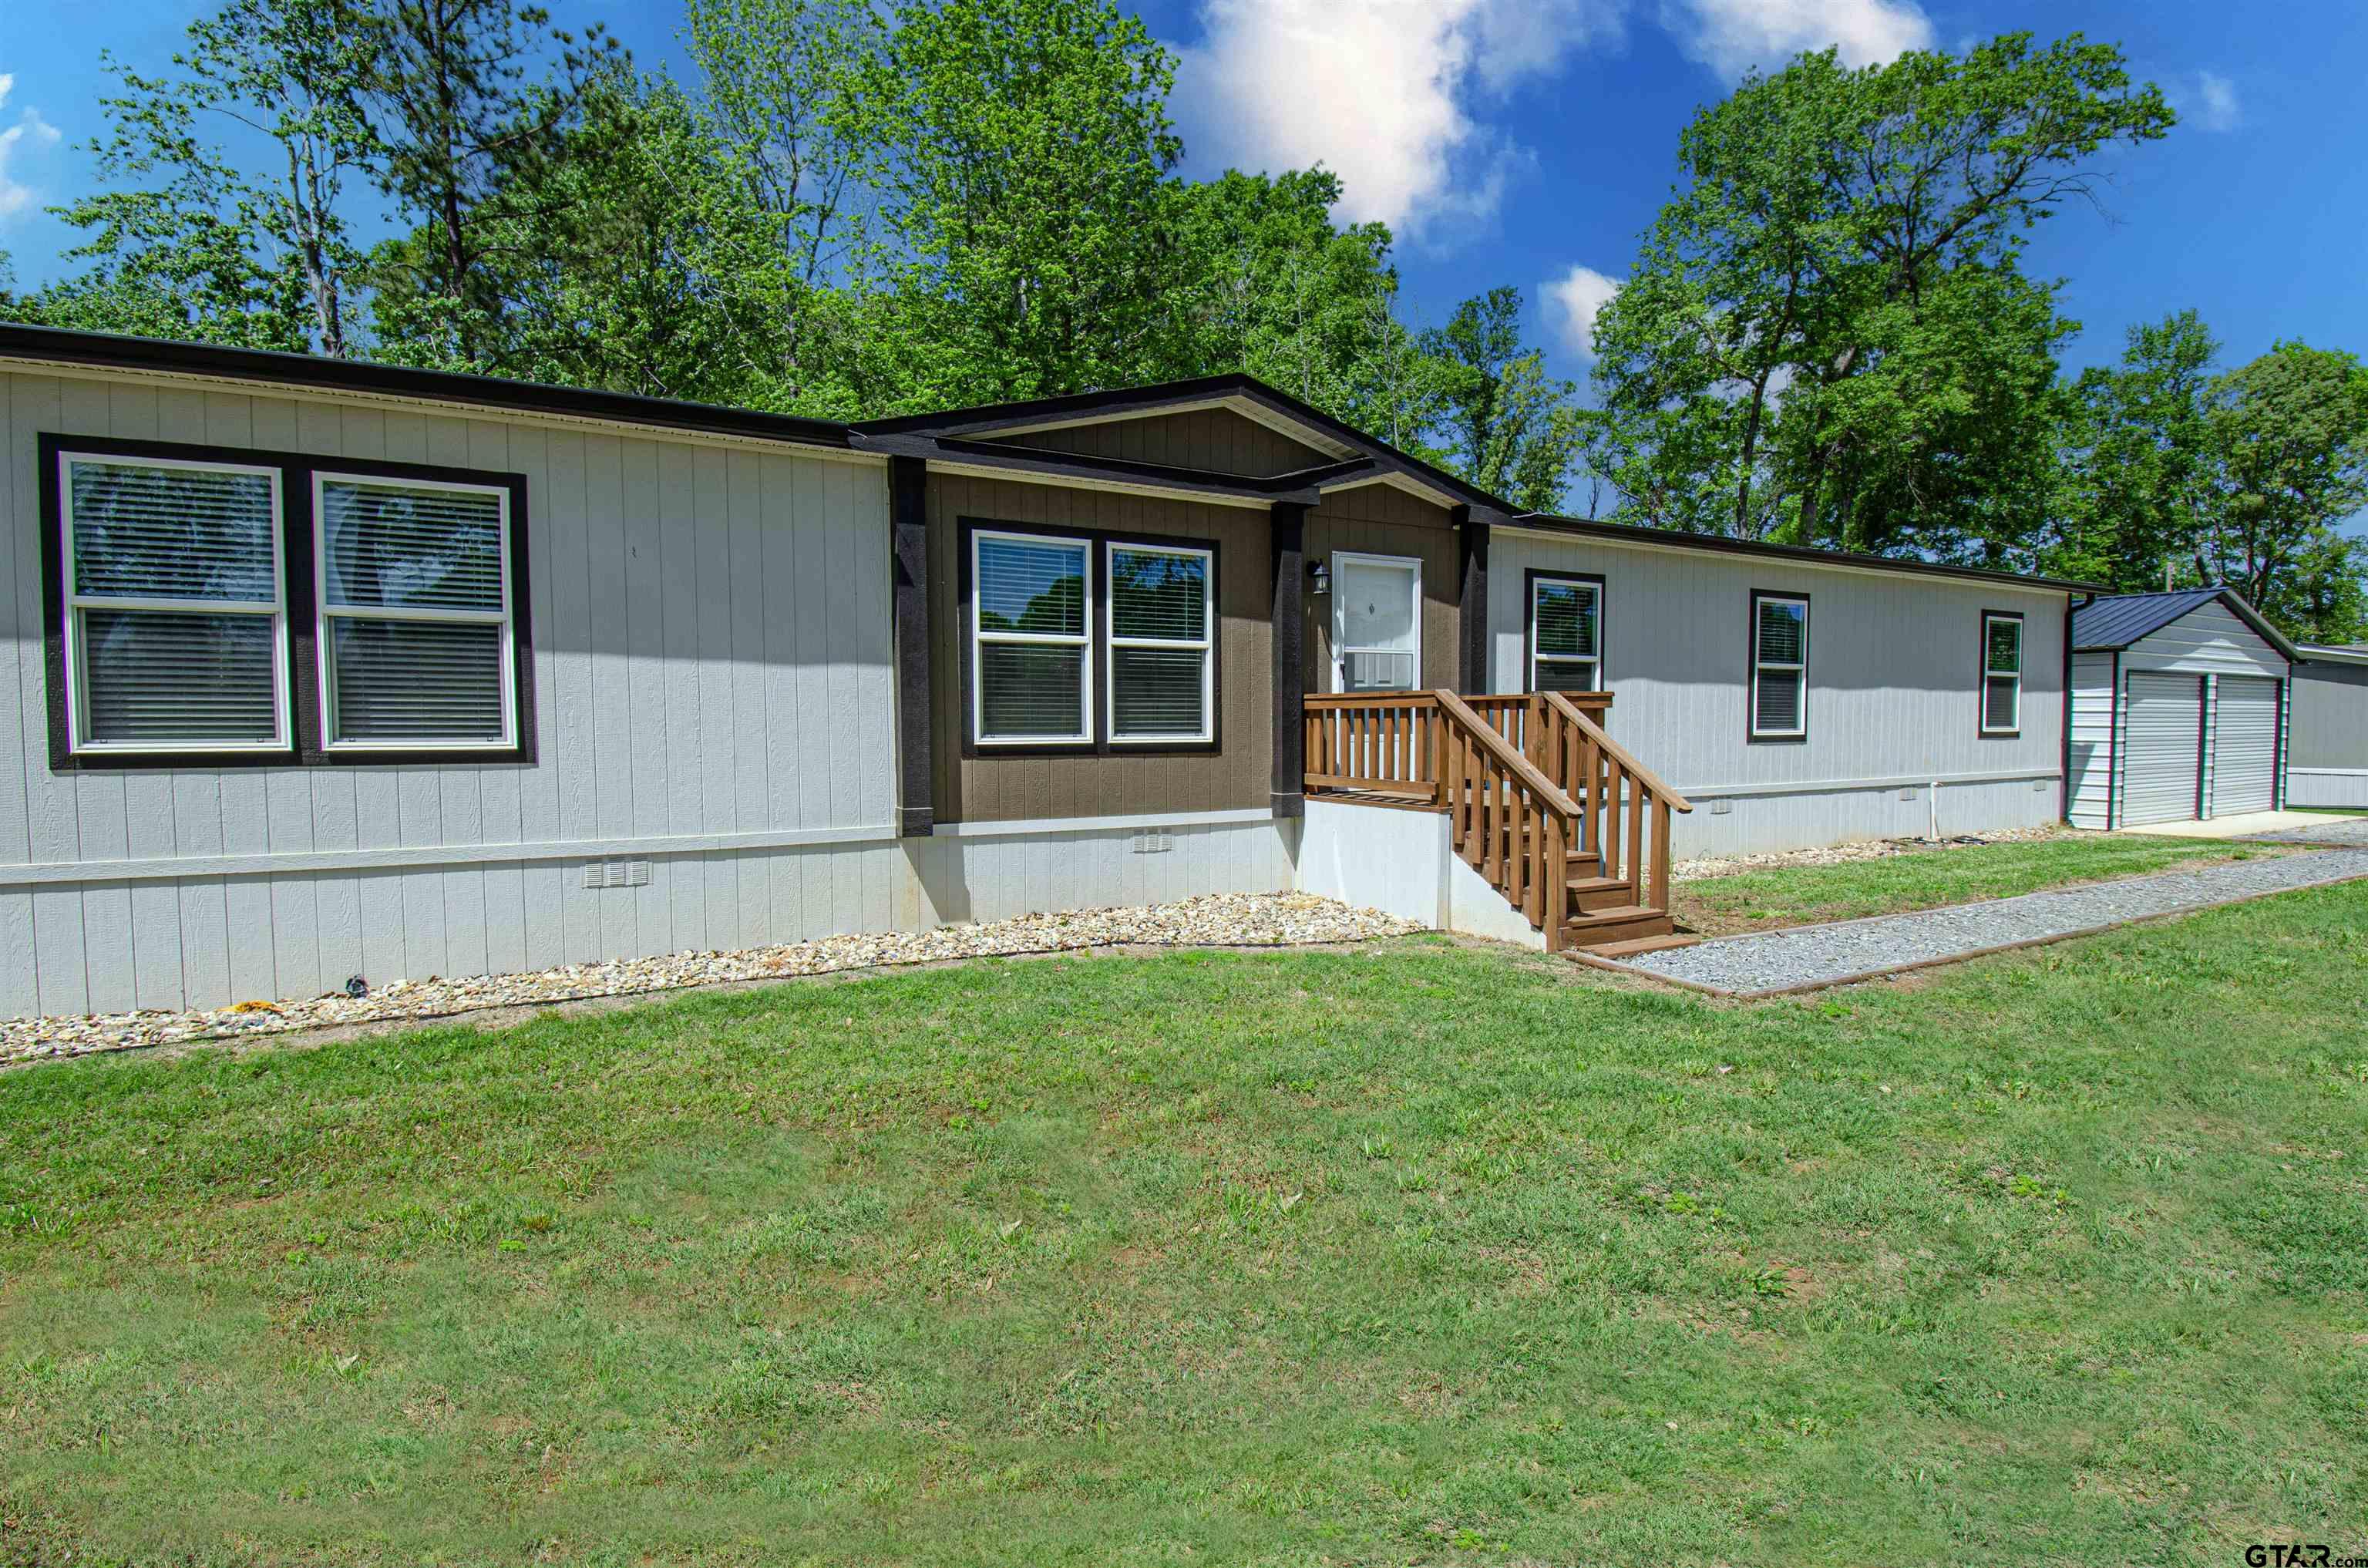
[(2001, 674), (175, 606), (1779, 667), (1031, 615), (1566, 635), (1161, 631), (415, 642)]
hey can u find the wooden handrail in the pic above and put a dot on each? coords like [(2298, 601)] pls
[(1520, 767), (1620, 754)]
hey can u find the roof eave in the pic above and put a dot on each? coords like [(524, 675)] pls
[(1589, 528), (310, 372)]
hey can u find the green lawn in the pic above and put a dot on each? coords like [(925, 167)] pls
[(1926, 879), (1420, 1253)]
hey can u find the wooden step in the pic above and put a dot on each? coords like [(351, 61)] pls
[(1589, 895), (1620, 923), (1635, 945)]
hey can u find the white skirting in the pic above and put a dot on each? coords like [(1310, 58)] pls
[(234, 933), (1789, 817), (1400, 863), (2327, 786)]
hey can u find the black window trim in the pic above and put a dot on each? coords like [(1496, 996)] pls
[(1097, 647), (1982, 675), (1752, 733), (302, 611), (1530, 581)]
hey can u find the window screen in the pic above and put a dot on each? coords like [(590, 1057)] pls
[(174, 619), (2001, 675), (1566, 629), (1780, 672), (416, 642), (1030, 618), (1160, 630)]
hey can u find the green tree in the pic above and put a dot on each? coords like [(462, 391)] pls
[(195, 245), (784, 97), (2291, 431), (1509, 427), (643, 265), (1024, 199), (2141, 479), (1267, 284), (1826, 335), (472, 101)]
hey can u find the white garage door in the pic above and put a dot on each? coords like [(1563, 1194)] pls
[(2245, 747), (2166, 749)]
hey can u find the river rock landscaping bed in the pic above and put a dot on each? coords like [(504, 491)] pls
[(1228, 920), (1805, 957)]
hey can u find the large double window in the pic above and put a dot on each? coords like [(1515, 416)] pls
[(1092, 641), (273, 608)]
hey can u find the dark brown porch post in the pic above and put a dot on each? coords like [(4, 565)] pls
[(1289, 530), (908, 511), (1471, 534)]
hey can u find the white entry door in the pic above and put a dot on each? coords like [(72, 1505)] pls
[(1376, 622), (2245, 745)]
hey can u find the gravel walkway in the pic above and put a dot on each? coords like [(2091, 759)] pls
[(1232, 920), (2337, 830), (1810, 956)]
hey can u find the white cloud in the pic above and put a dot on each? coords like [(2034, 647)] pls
[(1381, 92), (29, 131), (1572, 301), (2216, 105), (1733, 35)]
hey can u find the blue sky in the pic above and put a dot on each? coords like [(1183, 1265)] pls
[(1528, 141)]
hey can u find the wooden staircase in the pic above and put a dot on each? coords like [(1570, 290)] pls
[(1554, 812)]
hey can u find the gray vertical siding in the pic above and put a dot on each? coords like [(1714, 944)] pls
[(712, 694), (1894, 693), (2330, 716)]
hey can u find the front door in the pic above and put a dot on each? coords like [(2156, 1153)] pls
[(1376, 622)]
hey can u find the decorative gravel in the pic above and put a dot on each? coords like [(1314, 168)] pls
[(1809, 956), (1707, 865), (2335, 830), (1229, 920)]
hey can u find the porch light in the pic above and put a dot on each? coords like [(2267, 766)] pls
[(1319, 577)]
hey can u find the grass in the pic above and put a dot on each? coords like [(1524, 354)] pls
[(1928, 879), (1419, 1254)]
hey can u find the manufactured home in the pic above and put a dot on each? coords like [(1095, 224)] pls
[(326, 669), (2328, 757)]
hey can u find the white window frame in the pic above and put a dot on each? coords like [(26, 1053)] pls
[(1569, 581), (1800, 670), (980, 637), (78, 740), (1990, 619), (1206, 644), (1340, 651), (323, 651)]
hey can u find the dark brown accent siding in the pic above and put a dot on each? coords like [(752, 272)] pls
[(1216, 439), (908, 519), (1290, 743), (987, 788), (1472, 602), (1381, 520)]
